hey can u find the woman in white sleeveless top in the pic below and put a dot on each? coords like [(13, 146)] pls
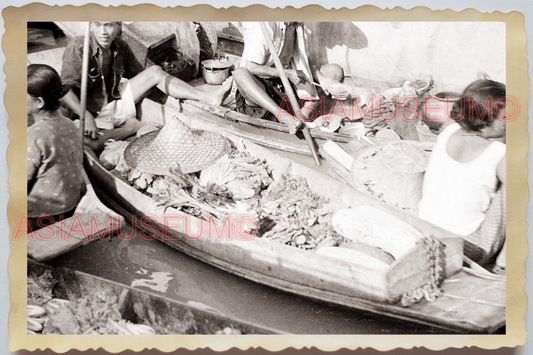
[(464, 183)]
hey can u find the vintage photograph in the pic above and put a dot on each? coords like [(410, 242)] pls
[(266, 178), (238, 178)]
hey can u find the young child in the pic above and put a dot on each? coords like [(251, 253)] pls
[(55, 154), (464, 183)]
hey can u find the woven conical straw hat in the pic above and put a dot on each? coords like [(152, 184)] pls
[(175, 144), (393, 173)]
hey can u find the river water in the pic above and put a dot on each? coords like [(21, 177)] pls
[(153, 266)]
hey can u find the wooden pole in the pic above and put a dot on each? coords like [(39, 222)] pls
[(84, 78), (288, 90)]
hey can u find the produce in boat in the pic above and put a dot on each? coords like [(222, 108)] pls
[(39, 288), (301, 217), (108, 307), (96, 314), (237, 173), (287, 210), (216, 191)]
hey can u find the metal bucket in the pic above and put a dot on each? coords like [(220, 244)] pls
[(215, 72)]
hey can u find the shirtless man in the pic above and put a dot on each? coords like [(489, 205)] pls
[(257, 79), (116, 83)]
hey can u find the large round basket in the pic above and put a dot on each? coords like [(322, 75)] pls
[(392, 173)]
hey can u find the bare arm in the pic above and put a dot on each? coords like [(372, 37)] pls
[(265, 72), (262, 71), (73, 102)]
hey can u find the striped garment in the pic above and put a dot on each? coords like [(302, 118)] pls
[(483, 245)]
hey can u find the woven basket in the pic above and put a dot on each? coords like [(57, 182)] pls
[(208, 38), (393, 173), (175, 145)]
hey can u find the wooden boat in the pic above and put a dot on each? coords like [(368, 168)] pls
[(92, 221), (306, 273), (163, 314)]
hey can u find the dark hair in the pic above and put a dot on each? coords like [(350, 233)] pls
[(119, 23), (44, 82), (481, 103)]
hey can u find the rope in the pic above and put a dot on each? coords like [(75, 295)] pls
[(430, 291)]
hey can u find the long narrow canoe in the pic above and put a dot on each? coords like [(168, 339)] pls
[(265, 133), (307, 273)]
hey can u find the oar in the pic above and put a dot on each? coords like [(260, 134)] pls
[(288, 90), (84, 74)]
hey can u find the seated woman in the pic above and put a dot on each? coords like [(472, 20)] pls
[(464, 183), (55, 154)]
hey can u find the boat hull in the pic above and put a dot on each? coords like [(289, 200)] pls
[(283, 267)]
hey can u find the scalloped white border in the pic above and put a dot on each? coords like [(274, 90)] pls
[(526, 7)]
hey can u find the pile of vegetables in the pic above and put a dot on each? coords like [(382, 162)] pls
[(216, 191), (296, 215), (96, 314), (39, 288), (183, 192), (288, 210), (239, 174)]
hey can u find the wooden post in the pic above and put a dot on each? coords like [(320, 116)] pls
[(84, 77), (288, 90)]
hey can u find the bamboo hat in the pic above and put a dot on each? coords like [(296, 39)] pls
[(393, 172), (175, 144)]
